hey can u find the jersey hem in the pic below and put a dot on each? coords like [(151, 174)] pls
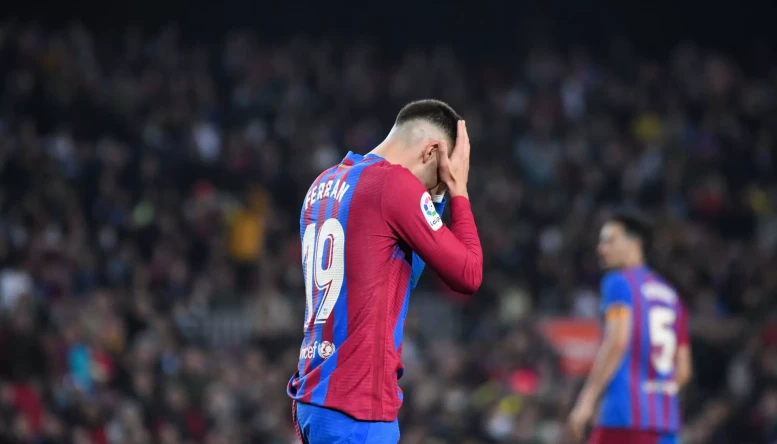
[(343, 412)]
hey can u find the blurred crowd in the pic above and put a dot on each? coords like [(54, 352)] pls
[(150, 186)]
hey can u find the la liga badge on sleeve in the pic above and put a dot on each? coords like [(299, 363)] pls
[(430, 214)]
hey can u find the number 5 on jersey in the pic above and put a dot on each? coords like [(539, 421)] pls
[(323, 261), (662, 336)]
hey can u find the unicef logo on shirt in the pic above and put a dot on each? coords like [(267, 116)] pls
[(430, 214), (326, 349)]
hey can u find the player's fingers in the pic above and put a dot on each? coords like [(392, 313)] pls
[(461, 151), (443, 156), (460, 135), (443, 149), (466, 133), (465, 139)]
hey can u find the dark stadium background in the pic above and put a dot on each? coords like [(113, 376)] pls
[(734, 397), (480, 28)]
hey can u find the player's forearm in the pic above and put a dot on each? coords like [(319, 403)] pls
[(608, 358), (684, 366), (468, 270), (459, 192), (418, 263), (683, 379), (453, 251), (463, 224)]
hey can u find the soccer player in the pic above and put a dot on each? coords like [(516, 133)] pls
[(645, 357), (367, 225)]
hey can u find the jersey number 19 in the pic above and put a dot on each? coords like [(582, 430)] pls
[(323, 260)]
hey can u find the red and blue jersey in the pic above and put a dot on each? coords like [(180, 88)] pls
[(367, 227), (642, 394)]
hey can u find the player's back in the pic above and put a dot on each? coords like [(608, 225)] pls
[(642, 395), (356, 281)]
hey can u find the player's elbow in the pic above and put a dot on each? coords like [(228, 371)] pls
[(467, 282), (618, 342), (471, 286), (472, 280)]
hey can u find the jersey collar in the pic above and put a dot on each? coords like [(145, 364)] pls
[(352, 158)]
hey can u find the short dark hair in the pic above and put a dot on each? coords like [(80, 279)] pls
[(433, 111), (635, 224)]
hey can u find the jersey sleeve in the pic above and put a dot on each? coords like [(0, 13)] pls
[(615, 291), (454, 253), (418, 263)]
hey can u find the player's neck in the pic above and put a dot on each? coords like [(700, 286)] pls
[(390, 151), (632, 264)]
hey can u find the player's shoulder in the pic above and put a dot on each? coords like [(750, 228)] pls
[(324, 174), (615, 288), (614, 277), (395, 177), (391, 170), (662, 280), (401, 176), (659, 288)]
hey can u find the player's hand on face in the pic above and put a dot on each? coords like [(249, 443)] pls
[(579, 418), (454, 170)]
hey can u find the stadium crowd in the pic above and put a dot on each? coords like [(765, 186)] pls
[(150, 282)]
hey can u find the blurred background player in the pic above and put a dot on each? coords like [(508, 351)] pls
[(645, 357), (361, 223)]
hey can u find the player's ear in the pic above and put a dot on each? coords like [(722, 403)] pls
[(433, 148), (430, 150)]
